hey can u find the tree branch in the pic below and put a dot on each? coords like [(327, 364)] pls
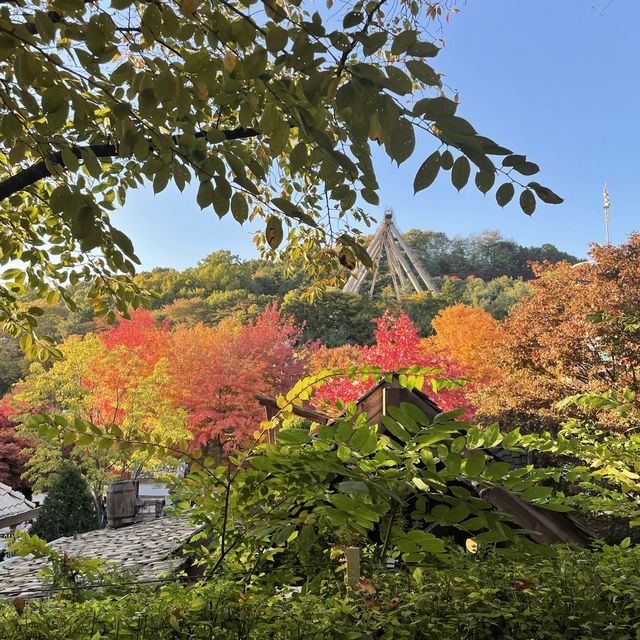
[(38, 171)]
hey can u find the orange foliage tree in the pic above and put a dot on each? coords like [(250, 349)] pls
[(217, 370), (579, 332), (468, 335)]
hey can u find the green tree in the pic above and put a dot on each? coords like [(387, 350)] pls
[(68, 507), (12, 364), (496, 296), (335, 319), (272, 118)]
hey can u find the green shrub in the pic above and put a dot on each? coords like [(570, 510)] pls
[(565, 595), (68, 507)]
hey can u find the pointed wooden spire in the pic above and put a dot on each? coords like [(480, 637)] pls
[(403, 266)]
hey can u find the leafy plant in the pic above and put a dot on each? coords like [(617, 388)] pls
[(509, 595), (267, 116), (68, 507)]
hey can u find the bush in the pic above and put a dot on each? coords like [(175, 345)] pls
[(68, 507), (511, 595)]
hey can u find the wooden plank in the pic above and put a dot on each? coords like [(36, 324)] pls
[(19, 518), (552, 527), (352, 577)]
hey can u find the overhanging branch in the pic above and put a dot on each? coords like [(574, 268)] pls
[(40, 170)]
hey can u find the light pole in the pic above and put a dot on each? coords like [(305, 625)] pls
[(607, 204)]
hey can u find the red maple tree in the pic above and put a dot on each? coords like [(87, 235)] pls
[(398, 345), (217, 370), (12, 460)]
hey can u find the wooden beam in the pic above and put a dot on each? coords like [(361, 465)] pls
[(19, 518)]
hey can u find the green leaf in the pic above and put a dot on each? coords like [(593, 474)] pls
[(456, 125), (423, 50), (427, 172), (527, 168), (402, 141), (373, 42), (293, 436), (528, 202), (124, 242), (290, 210), (537, 493), (152, 18), (485, 180), (205, 194), (396, 429), (352, 486), (460, 172), (497, 470), (545, 194), (474, 464), (343, 452), (435, 108), (423, 72), (403, 41), (276, 38), (370, 196), (505, 193), (352, 19), (69, 158), (446, 160), (274, 232), (513, 159), (399, 82), (239, 207)]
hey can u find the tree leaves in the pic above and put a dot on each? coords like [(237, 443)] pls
[(423, 72), (275, 107), (273, 232), (545, 194), (402, 141), (485, 180), (460, 172), (427, 172), (435, 108), (505, 193), (527, 202)]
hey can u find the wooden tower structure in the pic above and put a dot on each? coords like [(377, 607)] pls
[(404, 268)]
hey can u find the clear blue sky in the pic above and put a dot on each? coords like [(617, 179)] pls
[(555, 80)]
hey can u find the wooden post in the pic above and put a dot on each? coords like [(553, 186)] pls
[(352, 556)]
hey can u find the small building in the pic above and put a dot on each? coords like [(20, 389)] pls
[(15, 510), (546, 526)]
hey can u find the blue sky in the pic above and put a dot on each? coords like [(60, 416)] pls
[(555, 80)]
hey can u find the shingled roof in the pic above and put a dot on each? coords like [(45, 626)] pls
[(148, 551), (14, 507)]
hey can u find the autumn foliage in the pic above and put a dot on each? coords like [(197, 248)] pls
[(397, 345), (217, 370), (12, 458), (579, 332), (468, 335)]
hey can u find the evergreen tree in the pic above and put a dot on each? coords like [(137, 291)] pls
[(68, 507)]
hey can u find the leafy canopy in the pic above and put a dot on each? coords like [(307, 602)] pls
[(271, 111)]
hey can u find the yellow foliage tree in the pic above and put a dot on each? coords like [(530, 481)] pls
[(467, 334)]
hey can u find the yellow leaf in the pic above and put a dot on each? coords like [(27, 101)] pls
[(471, 545), (201, 89), (189, 7), (230, 61)]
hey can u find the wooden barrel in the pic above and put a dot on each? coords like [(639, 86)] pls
[(121, 504)]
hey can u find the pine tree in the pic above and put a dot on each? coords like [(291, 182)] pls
[(68, 507)]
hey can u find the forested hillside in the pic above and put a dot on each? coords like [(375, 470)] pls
[(483, 270)]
